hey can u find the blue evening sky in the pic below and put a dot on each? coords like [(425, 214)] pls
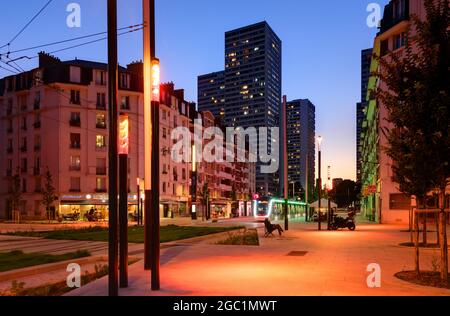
[(322, 41)]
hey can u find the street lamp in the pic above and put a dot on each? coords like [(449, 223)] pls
[(319, 143), (123, 147), (194, 182)]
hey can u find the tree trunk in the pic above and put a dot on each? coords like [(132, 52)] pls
[(411, 224), (443, 237), (416, 244), (425, 217)]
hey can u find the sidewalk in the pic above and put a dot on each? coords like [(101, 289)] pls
[(335, 263)]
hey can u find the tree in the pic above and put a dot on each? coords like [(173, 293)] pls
[(234, 200), (49, 191), (346, 193), (417, 98), (15, 195), (204, 199)]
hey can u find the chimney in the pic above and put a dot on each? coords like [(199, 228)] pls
[(47, 60)]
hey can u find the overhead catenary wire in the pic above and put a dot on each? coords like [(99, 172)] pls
[(27, 25), (67, 40), (75, 46)]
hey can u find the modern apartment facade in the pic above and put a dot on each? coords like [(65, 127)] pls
[(366, 59), (55, 117), (301, 140), (252, 90), (382, 201)]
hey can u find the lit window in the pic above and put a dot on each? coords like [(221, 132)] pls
[(100, 142)]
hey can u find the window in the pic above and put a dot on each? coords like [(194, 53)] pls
[(75, 97), (10, 127), (384, 49), (164, 187), (75, 119), (37, 184), (125, 104), (37, 142), (23, 103), (101, 101), (100, 78), (399, 202), (100, 142), (101, 166), (75, 184), (75, 141), (24, 145), (10, 168), (24, 123), (24, 185), (9, 107), (75, 74), (10, 148), (37, 100), (399, 10), (164, 115), (100, 185), (124, 81), (37, 166), (399, 41), (24, 165), (184, 174), (164, 133), (101, 121), (75, 163), (37, 121)]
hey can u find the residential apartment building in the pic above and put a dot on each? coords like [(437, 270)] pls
[(366, 59), (301, 140), (252, 88), (55, 118), (382, 202)]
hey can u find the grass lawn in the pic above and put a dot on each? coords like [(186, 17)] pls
[(135, 234), (18, 260)]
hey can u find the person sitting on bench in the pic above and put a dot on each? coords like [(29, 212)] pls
[(270, 228)]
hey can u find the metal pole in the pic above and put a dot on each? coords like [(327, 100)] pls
[(112, 173), (285, 164), (123, 219), (138, 202), (155, 227), (147, 131), (320, 189), (307, 189)]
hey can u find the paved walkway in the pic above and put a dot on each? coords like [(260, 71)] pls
[(335, 263)]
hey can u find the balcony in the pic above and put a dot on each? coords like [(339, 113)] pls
[(75, 146), (75, 190), (101, 125), (75, 168), (37, 125), (101, 171), (75, 123), (101, 107)]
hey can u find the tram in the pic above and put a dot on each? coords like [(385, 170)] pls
[(272, 208)]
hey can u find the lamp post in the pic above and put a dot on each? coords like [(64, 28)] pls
[(151, 131), (285, 163), (138, 182), (319, 142), (123, 198), (194, 182), (113, 264)]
